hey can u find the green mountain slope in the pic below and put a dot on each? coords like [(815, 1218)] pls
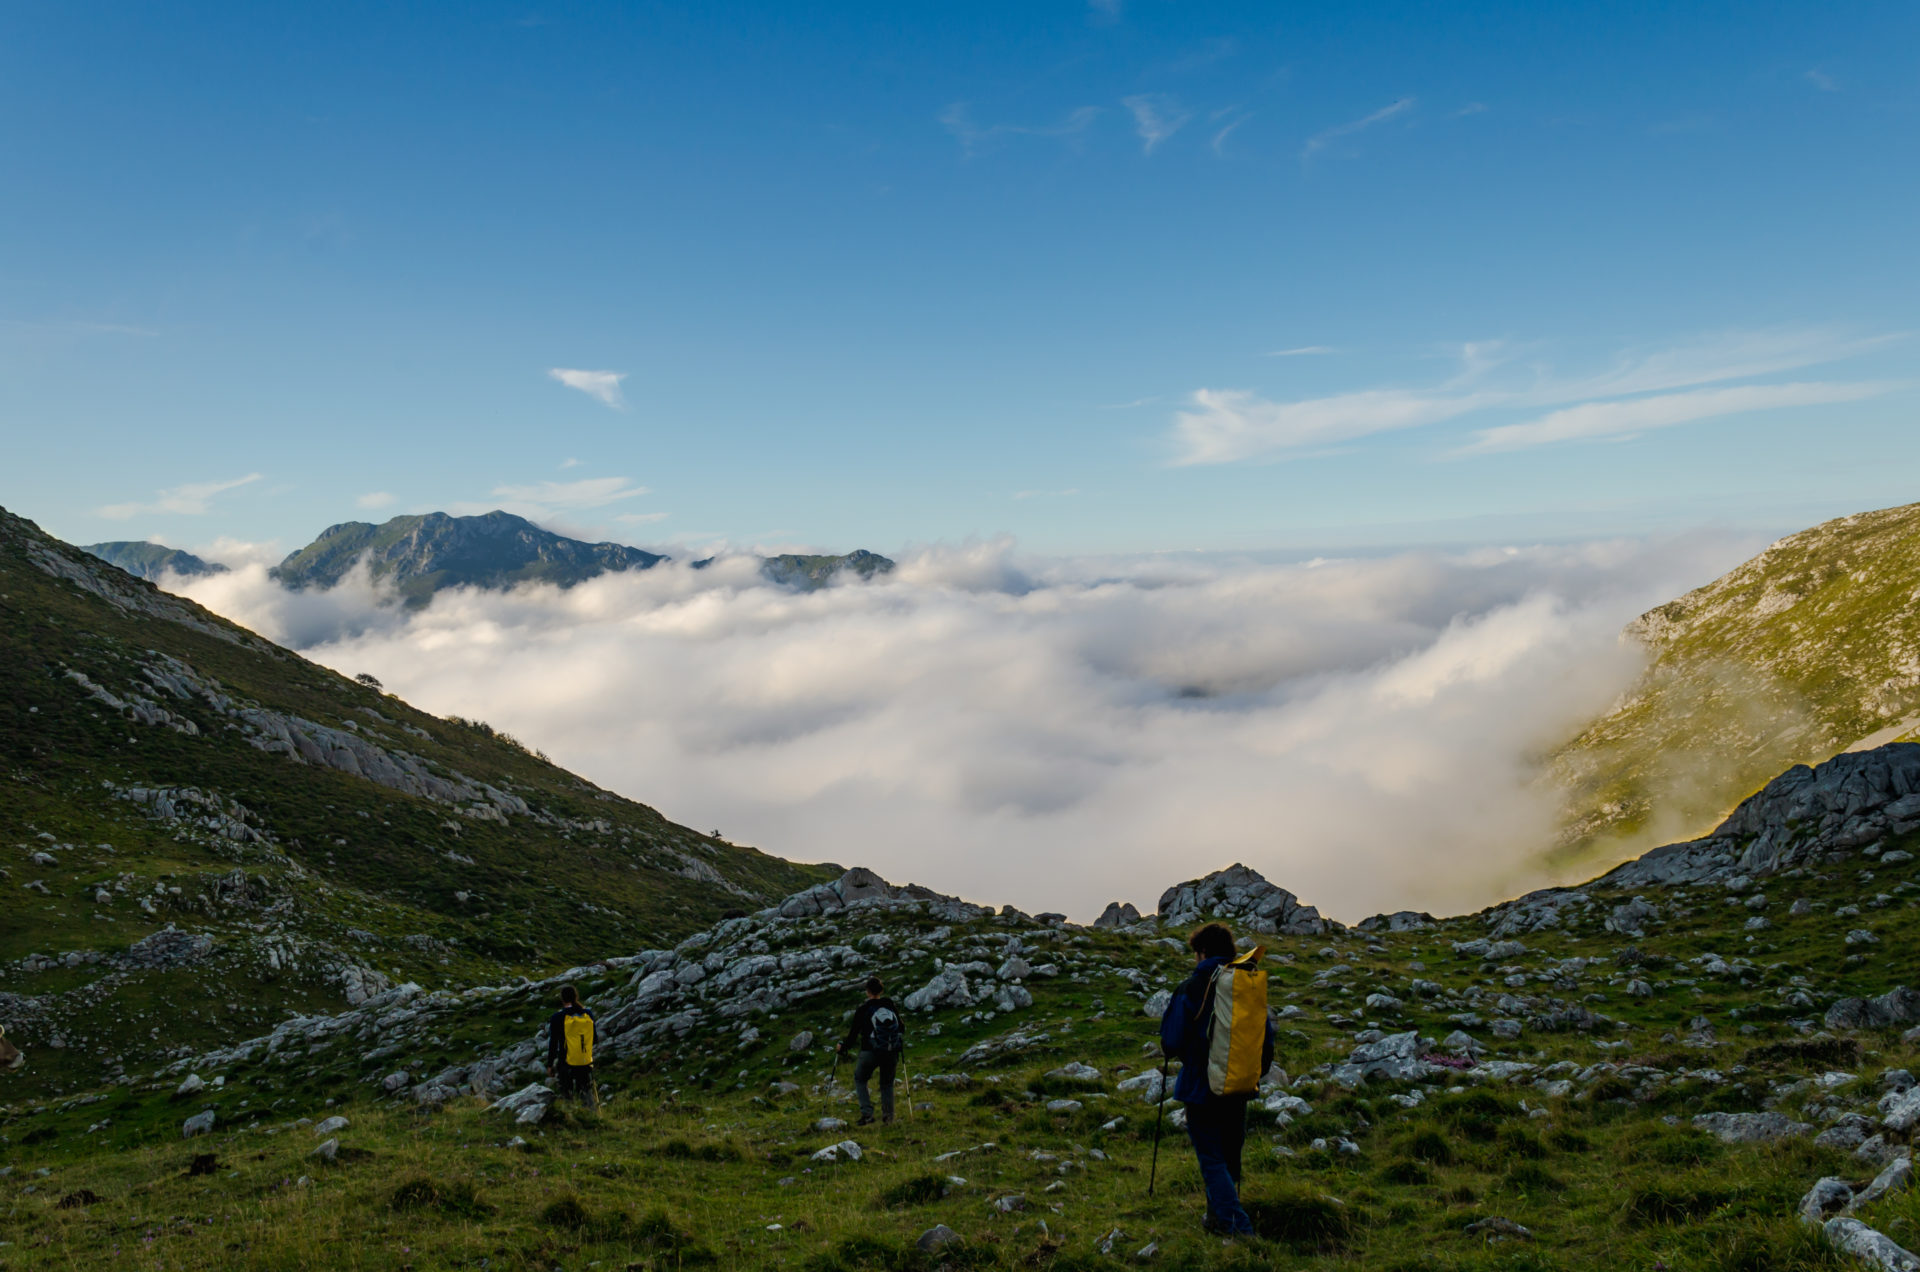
[(1808, 649), (422, 554), (152, 560), (309, 838)]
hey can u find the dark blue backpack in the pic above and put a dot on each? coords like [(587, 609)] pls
[(884, 1032)]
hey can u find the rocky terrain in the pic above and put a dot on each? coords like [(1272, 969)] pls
[(1808, 649)]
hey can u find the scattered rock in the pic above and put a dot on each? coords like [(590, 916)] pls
[(327, 1151), (198, 1124), (331, 1125), (1750, 1128), (936, 1238), (1495, 1226), (1827, 1197), (1850, 1236)]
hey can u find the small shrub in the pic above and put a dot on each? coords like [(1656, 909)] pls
[(1569, 1141), (1611, 1087), (1429, 1145), (1303, 1219), (921, 1190), (1675, 1201), (1531, 1177), (657, 1231), (453, 1197), (567, 1212), (1679, 1147), (1404, 1171), (1829, 1053), (1518, 1141), (680, 1150)]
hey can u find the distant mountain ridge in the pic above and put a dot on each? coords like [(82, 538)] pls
[(150, 561), (1807, 650), (423, 554), (427, 553)]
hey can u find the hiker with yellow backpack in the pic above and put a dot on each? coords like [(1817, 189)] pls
[(570, 1049), (1217, 1026)]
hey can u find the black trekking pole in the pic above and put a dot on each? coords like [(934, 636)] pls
[(1160, 1114)]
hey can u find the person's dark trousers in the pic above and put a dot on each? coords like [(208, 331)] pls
[(884, 1063), (576, 1082), (1218, 1129)]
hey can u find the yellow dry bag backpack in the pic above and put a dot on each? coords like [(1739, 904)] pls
[(578, 1028), (1239, 1025)]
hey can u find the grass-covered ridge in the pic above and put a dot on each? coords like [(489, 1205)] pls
[(312, 880), (1809, 648)]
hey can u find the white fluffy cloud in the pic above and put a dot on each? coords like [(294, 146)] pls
[(1054, 734), (603, 386)]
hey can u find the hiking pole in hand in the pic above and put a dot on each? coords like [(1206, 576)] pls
[(1159, 1115)]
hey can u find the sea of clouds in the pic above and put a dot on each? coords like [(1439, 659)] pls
[(1055, 733)]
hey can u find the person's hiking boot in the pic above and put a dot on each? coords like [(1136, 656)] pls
[(865, 1119)]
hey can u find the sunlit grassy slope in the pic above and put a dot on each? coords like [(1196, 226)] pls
[(1801, 652)]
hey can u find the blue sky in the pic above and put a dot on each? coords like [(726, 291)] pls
[(1118, 276)]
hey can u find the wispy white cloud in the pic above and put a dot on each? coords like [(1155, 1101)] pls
[(569, 463), (1156, 117), (1225, 425), (641, 518), (603, 386), (1304, 351), (1822, 81), (1105, 10), (1228, 425), (1632, 416), (589, 492), (374, 499), (1321, 140), (1219, 143), (974, 138), (190, 500), (1046, 494)]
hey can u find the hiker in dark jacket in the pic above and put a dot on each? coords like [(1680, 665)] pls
[(570, 1039), (877, 1035), (1217, 1125)]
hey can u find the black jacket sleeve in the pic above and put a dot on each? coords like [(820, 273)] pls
[(857, 1030), (556, 1038)]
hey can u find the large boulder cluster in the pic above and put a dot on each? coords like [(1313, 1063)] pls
[(1241, 896)]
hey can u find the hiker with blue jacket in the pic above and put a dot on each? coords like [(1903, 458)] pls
[(878, 1036), (1216, 1082)]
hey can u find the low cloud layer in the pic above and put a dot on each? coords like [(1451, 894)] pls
[(1054, 734)]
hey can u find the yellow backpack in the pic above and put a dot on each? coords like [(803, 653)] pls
[(578, 1030), (1239, 1025)]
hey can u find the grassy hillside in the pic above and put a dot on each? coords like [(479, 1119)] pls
[(1579, 1129), (167, 768), (1812, 646)]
